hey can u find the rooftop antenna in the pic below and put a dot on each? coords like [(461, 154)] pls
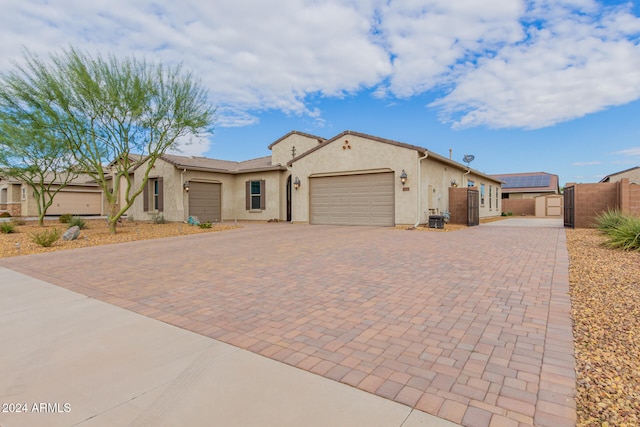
[(468, 158)]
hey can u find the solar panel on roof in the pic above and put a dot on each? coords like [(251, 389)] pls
[(526, 181)]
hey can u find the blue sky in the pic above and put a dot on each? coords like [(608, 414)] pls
[(524, 86)]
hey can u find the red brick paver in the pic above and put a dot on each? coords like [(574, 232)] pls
[(472, 326)]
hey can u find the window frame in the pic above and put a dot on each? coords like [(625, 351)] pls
[(255, 202), (153, 195)]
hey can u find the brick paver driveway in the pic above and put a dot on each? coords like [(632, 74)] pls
[(472, 325)]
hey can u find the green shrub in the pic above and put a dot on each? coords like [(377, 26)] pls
[(7, 227), (46, 238), (77, 221), (65, 218), (625, 235), (609, 220), (158, 218), (207, 224), (509, 213)]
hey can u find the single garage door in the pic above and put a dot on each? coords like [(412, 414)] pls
[(76, 203), (204, 201), (366, 199)]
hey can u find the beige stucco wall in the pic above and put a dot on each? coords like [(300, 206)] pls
[(633, 176), (281, 152), (492, 194), (438, 176), (172, 198), (273, 189), (233, 207), (364, 156)]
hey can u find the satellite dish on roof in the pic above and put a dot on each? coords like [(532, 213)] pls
[(468, 158)]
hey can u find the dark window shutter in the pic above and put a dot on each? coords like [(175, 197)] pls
[(248, 194), (145, 197), (263, 196), (160, 195)]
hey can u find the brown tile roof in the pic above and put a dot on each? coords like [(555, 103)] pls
[(222, 166)]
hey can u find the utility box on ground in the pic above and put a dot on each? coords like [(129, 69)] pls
[(436, 221)]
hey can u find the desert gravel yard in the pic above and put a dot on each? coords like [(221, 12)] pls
[(605, 296), (96, 233)]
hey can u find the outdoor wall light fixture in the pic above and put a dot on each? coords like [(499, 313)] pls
[(403, 177), (454, 183), (186, 186), (296, 183)]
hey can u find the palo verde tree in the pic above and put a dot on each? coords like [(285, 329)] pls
[(116, 115), (31, 153)]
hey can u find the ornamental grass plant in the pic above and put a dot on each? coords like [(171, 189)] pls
[(622, 230)]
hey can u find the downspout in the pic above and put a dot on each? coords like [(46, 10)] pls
[(182, 190), (465, 174), (426, 154)]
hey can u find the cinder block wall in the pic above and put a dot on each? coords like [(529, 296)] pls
[(519, 206), (593, 199), (634, 199)]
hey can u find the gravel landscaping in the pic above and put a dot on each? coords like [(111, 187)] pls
[(96, 233), (605, 296)]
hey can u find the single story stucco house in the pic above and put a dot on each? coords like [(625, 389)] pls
[(350, 179), (81, 196)]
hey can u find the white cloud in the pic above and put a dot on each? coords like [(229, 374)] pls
[(572, 66), (502, 63), (630, 152)]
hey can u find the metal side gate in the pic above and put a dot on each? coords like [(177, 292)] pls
[(569, 207), (473, 207)]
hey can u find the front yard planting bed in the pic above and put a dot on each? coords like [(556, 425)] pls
[(605, 296), (96, 233)]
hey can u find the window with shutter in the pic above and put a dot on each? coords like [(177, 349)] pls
[(255, 195)]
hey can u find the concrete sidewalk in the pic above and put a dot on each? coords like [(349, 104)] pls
[(70, 360), (527, 222)]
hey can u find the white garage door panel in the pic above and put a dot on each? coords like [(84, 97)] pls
[(366, 199), (76, 203)]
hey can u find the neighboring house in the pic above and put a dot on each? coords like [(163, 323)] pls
[(528, 185), (531, 193), (350, 179), (633, 175), (80, 197)]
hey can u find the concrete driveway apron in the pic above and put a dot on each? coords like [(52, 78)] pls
[(472, 326)]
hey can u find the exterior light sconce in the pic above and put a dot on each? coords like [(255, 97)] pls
[(296, 183), (403, 177), (186, 186), (454, 183)]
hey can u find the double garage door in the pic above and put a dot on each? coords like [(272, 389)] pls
[(76, 203), (205, 201), (366, 199)]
